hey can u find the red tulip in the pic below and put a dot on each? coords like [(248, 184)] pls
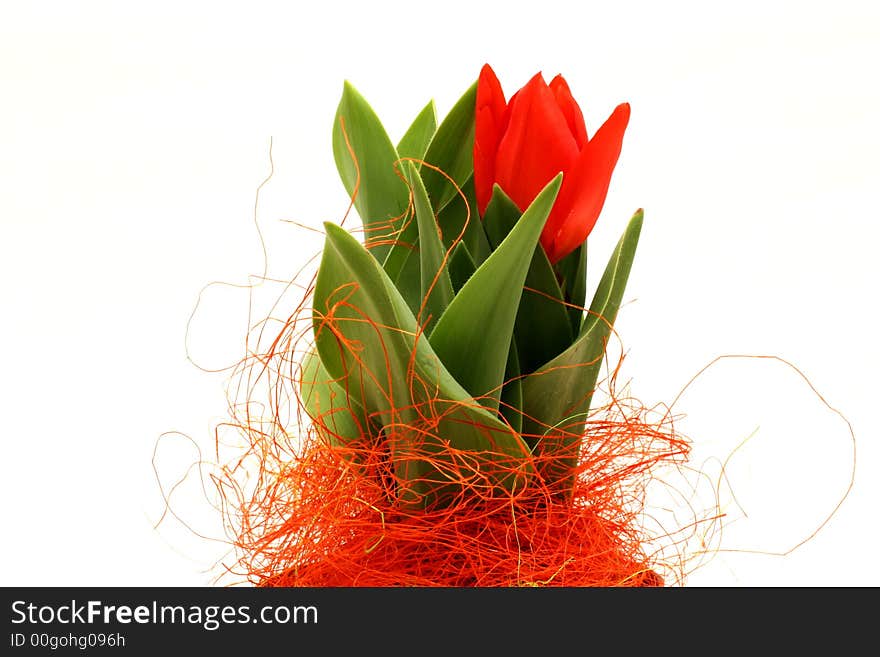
[(523, 144)]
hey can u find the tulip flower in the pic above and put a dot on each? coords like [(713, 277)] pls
[(523, 144)]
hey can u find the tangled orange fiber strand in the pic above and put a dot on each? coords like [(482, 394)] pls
[(302, 511)]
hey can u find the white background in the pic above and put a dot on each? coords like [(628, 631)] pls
[(133, 137)]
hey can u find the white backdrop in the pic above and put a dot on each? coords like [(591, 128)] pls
[(133, 138)]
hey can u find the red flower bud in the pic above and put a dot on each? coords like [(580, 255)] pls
[(523, 144)]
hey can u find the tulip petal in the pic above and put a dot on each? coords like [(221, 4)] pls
[(585, 187), (537, 144), (490, 123), (570, 109)]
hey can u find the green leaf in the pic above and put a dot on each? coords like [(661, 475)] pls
[(436, 286), (415, 142), (368, 167), (366, 335), (452, 151), (511, 394), (573, 270), (407, 277), (460, 219), (500, 217), (543, 329), (556, 398), (461, 266), (473, 336), (338, 418), (402, 263)]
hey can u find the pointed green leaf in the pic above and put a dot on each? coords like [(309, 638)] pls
[(511, 394), (573, 270), (402, 262), (436, 286), (500, 217), (543, 329), (408, 277), (473, 336), (460, 219), (461, 266), (337, 416), (397, 263), (557, 397), (415, 142), (403, 256), (365, 158), (452, 151), (365, 334)]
